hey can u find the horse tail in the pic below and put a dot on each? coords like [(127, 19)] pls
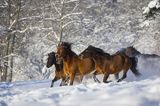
[(134, 62)]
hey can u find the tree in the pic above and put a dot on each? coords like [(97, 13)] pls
[(64, 14), (152, 9), (13, 11)]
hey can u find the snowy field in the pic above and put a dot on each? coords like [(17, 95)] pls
[(141, 92), (133, 91)]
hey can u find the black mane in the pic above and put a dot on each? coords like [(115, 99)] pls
[(66, 44), (98, 50)]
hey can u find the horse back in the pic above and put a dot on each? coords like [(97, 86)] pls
[(118, 61), (85, 66)]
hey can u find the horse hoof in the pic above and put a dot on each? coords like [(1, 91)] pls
[(107, 81), (119, 80), (98, 81)]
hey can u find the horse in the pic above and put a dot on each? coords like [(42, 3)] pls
[(110, 64), (148, 64), (73, 65), (59, 73), (132, 52)]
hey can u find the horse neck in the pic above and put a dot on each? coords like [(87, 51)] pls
[(95, 57), (70, 55), (137, 53), (58, 67)]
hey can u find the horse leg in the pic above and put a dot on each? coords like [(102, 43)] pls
[(123, 77), (55, 79), (72, 76), (116, 76), (95, 78), (64, 80), (106, 75), (81, 78)]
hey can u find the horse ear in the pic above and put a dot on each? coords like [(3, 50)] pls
[(59, 44), (90, 46)]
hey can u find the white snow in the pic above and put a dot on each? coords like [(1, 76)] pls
[(4, 30), (152, 4), (130, 92), (146, 10)]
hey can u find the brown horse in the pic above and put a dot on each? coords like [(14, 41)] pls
[(73, 65), (110, 64), (59, 73)]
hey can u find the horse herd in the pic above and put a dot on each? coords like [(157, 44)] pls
[(68, 64)]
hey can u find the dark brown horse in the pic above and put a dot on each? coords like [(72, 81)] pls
[(132, 52), (110, 64), (73, 65), (59, 73)]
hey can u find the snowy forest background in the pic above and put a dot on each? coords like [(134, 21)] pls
[(30, 29)]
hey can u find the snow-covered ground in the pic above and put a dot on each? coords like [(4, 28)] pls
[(144, 92), (133, 91)]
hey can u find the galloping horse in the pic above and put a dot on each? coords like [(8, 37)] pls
[(73, 65), (59, 73), (110, 64), (148, 64), (132, 52)]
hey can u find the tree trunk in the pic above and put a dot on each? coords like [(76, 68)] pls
[(18, 7), (8, 42)]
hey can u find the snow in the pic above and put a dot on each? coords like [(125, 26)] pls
[(106, 32), (141, 92), (152, 4), (4, 30), (146, 10)]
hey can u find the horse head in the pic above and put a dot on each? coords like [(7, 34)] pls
[(131, 51), (51, 59), (63, 49)]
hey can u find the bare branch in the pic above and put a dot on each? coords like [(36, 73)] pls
[(74, 8), (71, 1), (71, 14), (29, 18), (56, 8), (20, 31), (12, 24), (69, 23), (56, 36)]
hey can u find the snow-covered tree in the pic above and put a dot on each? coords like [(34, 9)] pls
[(152, 9)]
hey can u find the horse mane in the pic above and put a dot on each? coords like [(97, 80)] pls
[(137, 52), (68, 46), (51, 54), (98, 50), (122, 50)]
